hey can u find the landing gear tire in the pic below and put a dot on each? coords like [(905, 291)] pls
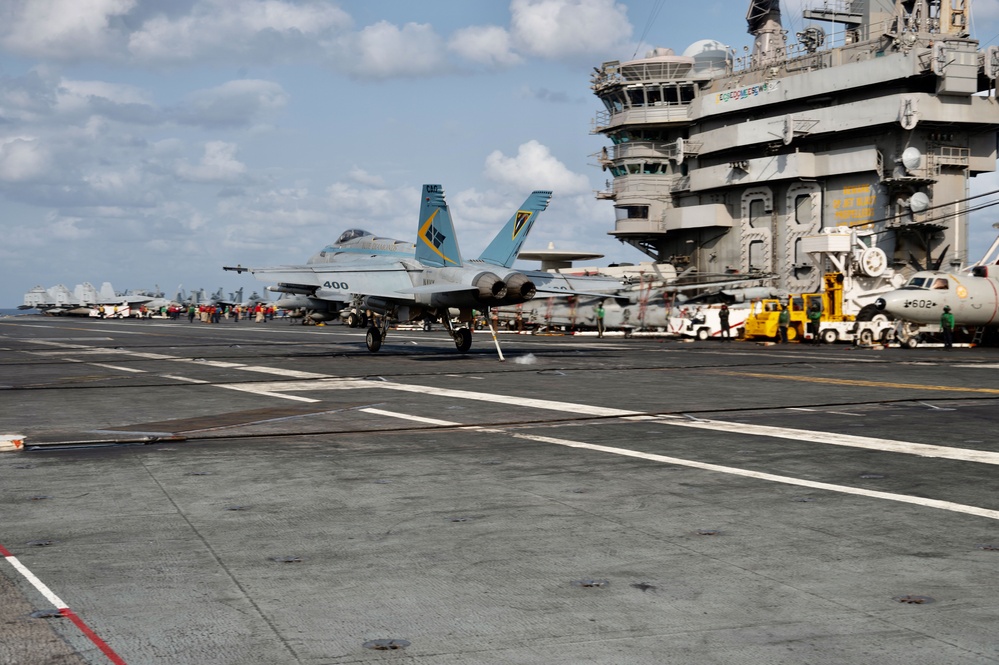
[(866, 338), (373, 339), (829, 336), (911, 343), (463, 339), (702, 334), (353, 320)]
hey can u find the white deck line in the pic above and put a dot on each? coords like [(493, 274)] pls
[(717, 468)]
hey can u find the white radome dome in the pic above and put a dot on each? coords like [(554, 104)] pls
[(709, 55)]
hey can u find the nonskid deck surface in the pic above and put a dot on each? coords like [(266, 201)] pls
[(269, 493)]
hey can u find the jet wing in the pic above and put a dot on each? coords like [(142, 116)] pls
[(340, 282)]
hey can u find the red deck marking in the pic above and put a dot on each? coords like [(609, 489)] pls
[(63, 610), (101, 644)]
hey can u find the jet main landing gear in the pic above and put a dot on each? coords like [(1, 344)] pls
[(462, 339), (462, 336), (373, 339)]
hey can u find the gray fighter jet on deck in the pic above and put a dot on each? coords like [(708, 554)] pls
[(402, 287)]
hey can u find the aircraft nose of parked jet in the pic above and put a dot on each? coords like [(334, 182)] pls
[(893, 304)]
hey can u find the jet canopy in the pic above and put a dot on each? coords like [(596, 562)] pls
[(927, 282), (351, 234)]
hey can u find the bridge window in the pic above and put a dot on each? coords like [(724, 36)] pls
[(631, 212)]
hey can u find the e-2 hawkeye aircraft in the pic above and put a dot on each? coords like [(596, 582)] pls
[(381, 276), (973, 299)]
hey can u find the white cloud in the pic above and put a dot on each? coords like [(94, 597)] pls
[(362, 177), (568, 28), (114, 183), (218, 165), (233, 104), (263, 31), (535, 167), (383, 51), (74, 94), (487, 45), (43, 94), (27, 98), (87, 99), (373, 203), (59, 227), (23, 159), (62, 29)]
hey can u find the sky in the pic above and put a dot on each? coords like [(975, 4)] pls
[(151, 142)]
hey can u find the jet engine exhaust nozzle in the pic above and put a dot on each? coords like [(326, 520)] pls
[(490, 287), (519, 288)]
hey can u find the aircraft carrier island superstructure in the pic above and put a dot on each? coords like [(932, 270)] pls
[(757, 163)]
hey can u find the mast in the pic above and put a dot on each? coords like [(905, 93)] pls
[(763, 20)]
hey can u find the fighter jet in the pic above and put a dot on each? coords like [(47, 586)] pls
[(498, 257), (401, 288)]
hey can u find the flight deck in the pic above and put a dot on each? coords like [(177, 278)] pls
[(273, 493)]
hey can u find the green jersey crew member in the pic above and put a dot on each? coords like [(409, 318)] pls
[(783, 321), (947, 326)]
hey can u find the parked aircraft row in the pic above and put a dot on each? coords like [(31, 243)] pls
[(85, 298)]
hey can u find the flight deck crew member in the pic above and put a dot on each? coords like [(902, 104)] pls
[(947, 325), (814, 314), (783, 321), (723, 320), (600, 319)]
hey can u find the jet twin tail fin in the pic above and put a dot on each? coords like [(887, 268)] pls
[(503, 250), (436, 241)]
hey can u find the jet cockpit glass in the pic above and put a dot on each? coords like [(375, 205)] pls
[(940, 283), (916, 283), (350, 234)]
